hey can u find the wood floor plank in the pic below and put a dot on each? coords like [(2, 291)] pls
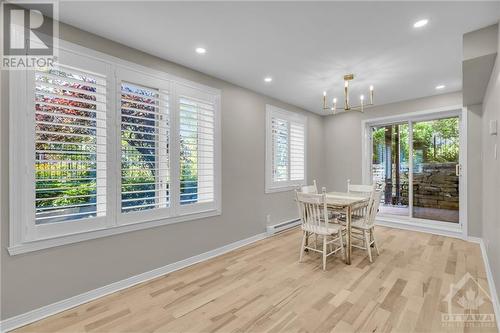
[(263, 288)]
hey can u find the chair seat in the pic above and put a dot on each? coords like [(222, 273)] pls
[(331, 229), (360, 224), (357, 223)]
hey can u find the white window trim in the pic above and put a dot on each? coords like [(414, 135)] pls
[(270, 185), (459, 229), (19, 159)]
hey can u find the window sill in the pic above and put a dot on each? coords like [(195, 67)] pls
[(115, 230), (281, 189)]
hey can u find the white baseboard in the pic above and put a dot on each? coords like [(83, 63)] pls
[(489, 275), (430, 229), (51, 309)]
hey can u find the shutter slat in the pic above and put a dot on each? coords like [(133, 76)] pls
[(70, 80)]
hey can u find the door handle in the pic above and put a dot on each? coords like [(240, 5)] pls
[(457, 170)]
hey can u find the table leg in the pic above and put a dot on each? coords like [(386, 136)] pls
[(348, 217)]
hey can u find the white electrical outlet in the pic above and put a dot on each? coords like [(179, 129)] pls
[(493, 127)]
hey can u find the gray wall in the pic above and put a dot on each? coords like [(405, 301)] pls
[(491, 173), (474, 171), (35, 279)]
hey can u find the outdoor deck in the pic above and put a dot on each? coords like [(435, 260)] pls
[(436, 214)]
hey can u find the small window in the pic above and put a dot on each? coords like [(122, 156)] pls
[(285, 151)]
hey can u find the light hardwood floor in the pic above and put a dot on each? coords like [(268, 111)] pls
[(263, 288)]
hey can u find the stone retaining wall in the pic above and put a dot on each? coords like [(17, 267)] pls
[(435, 186)]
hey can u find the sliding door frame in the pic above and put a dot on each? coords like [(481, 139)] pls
[(450, 229)]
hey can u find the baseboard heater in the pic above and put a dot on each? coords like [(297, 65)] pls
[(273, 229)]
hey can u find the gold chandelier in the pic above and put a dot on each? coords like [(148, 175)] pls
[(347, 105)]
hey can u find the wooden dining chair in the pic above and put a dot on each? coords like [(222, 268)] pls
[(360, 189), (313, 189), (363, 228), (315, 222)]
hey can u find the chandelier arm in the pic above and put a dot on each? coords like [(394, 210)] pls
[(360, 106), (351, 108)]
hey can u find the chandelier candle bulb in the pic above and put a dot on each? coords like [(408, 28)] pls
[(346, 95), (324, 100)]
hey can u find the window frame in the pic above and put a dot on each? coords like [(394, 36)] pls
[(22, 238), (272, 186)]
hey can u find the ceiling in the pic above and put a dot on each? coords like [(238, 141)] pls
[(305, 47)]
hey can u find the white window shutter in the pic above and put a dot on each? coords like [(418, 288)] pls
[(297, 151), (70, 145), (280, 146), (197, 149), (145, 167)]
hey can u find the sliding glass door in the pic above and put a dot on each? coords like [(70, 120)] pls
[(418, 160), (436, 147)]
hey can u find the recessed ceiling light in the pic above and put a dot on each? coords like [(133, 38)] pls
[(201, 50), (268, 79), (441, 86), (421, 23)]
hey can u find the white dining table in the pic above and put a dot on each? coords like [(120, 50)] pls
[(347, 202)]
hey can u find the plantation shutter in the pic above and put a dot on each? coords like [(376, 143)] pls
[(280, 146), (70, 144), (145, 175), (297, 151), (197, 147)]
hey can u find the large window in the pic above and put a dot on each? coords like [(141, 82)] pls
[(102, 146), (285, 149)]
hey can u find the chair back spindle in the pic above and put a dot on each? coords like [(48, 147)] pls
[(313, 211), (373, 205)]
